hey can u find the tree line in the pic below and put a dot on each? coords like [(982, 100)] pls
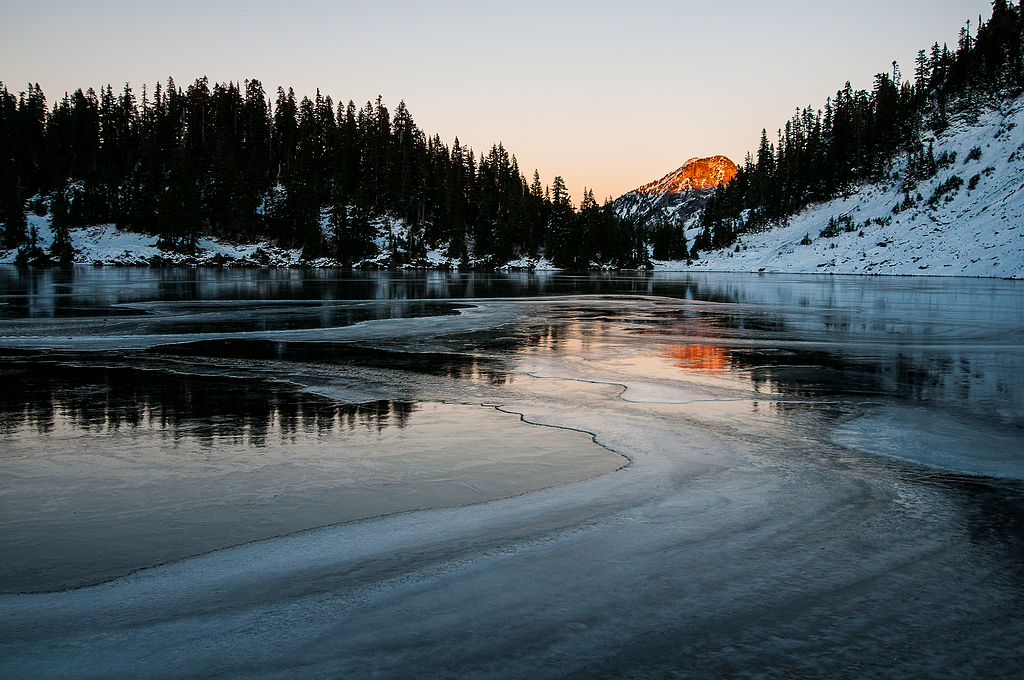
[(821, 154), (227, 160)]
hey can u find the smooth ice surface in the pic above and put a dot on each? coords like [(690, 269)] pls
[(941, 440), (96, 496), (810, 491)]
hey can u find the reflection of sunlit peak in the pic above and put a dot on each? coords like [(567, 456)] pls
[(700, 357)]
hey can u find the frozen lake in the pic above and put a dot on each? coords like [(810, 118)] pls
[(287, 473)]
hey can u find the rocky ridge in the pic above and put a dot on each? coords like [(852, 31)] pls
[(680, 194)]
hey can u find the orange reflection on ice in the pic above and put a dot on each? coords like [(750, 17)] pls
[(701, 357)]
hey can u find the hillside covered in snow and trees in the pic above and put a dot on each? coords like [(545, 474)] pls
[(920, 175), (664, 208), (222, 175), (962, 215)]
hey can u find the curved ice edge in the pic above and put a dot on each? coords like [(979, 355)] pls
[(181, 582), (137, 341), (978, 475), (593, 438), (152, 569)]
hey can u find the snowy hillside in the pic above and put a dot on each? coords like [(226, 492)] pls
[(967, 220)]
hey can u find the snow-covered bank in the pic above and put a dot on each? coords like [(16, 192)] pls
[(974, 229), (107, 245)]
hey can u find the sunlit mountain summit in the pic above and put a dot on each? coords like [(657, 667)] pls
[(679, 194)]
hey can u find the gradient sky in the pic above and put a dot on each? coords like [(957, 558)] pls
[(610, 95)]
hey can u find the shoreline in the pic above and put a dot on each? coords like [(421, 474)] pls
[(552, 271)]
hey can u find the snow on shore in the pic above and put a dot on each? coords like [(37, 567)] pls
[(107, 245)]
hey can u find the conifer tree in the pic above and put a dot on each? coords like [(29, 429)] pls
[(60, 216)]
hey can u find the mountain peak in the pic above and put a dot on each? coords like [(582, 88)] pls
[(698, 174), (680, 194)]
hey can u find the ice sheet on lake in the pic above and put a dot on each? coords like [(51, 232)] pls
[(706, 543), (742, 540)]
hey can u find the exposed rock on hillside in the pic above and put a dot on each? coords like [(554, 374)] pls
[(678, 195)]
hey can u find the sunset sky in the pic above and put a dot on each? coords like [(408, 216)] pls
[(610, 95)]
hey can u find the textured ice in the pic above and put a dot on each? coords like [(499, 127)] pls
[(939, 440), (766, 525)]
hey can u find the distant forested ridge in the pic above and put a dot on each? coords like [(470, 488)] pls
[(822, 154), (228, 161)]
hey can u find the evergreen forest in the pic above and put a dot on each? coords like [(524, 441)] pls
[(226, 160), (821, 154)]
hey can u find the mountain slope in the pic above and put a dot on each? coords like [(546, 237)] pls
[(678, 195), (967, 220)]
